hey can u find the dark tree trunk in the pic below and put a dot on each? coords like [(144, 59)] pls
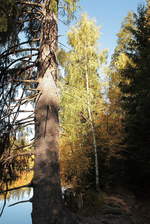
[(47, 200)]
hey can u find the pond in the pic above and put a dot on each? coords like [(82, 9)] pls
[(20, 213)]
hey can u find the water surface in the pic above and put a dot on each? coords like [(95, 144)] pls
[(20, 213)]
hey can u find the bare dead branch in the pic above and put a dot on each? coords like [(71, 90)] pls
[(30, 3), (17, 112), (28, 118), (26, 111), (28, 124), (15, 51), (17, 45), (20, 59), (16, 188), (20, 111), (28, 98), (20, 202), (5, 197), (26, 81)]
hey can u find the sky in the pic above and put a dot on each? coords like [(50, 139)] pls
[(109, 15)]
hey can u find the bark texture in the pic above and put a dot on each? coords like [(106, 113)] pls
[(47, 199)]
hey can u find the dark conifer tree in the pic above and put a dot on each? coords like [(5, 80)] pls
[(135, 97), (28, 64)]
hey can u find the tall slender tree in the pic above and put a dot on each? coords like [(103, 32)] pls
[(82, 89)]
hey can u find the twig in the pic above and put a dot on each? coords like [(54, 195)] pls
[(66, 24), (13, 47), (16, 188), (27, 81), (18, 51), (30, 3), (28, 124), (21, 59), (19, 202), (64, 46), (28, 98), (5, 197)]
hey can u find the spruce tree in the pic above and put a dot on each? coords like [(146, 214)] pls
[(134, 86), (28, 63)]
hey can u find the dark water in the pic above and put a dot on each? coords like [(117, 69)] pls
[(20, 213)]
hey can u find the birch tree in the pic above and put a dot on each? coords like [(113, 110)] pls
[(82, 99)]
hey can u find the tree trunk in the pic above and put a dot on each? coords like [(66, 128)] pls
[(47, 199), (97, 182)]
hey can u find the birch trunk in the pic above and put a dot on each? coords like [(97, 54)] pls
[(97, 182)]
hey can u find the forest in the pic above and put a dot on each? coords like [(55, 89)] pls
[(70, 119)]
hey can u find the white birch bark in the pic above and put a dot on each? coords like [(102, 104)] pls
[(93, 133)]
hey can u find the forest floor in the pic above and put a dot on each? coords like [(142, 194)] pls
[(119, 208)]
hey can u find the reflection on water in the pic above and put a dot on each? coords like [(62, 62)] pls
[(18, 214)]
